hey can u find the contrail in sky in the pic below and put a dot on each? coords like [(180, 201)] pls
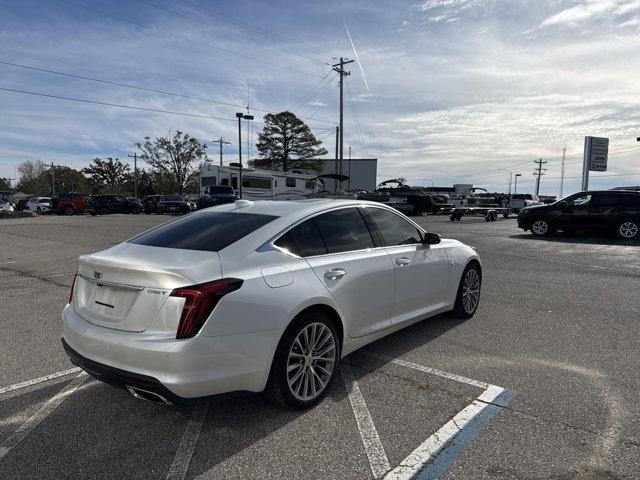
[(357, 58)]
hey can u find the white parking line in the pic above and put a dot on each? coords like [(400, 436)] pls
[(180, 464), (438, 442), (44, 411), (422, 455), (34, 381), (422, 368), (368, 433)]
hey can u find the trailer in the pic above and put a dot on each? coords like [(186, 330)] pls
[(490, 214)]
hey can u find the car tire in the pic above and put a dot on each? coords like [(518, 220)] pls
[(137, 211), (541, 227), (283, 388), (68, 210), (628, 229), (468, 297), (103, 211)]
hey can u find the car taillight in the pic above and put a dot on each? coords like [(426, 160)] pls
[(73, 286), (200, 300)]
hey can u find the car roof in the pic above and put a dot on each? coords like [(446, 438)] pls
[(292, 208)]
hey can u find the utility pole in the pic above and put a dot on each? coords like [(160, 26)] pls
[(538, 173), (339, 67), (564, 152), (53, 180), (335, 170), (221, 141), (135, 173)]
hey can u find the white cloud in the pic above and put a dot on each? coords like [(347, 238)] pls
[(596, 10)]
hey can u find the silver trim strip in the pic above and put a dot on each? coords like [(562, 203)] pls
[(110, 284)]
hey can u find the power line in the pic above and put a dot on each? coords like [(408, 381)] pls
[(356, 119), (322, 83), (187, 39), (259, 30), (108, 104), (178, 14), (135, 87)]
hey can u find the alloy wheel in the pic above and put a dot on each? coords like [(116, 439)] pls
[(311, 360), (540, 227), (628, 229), (471, 291)]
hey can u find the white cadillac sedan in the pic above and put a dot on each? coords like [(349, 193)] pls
[(257, 296)]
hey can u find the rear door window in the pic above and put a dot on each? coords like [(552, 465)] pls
[(344, 230), (303, 240), (206, 231)]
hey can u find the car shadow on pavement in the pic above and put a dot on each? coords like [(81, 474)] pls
[(590, 239), (236, 427)]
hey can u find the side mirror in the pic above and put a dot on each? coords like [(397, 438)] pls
[(431, 238)]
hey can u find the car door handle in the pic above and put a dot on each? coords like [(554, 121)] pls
[(335, 273), (403, 261)]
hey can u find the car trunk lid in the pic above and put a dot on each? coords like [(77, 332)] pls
[(128, 286)]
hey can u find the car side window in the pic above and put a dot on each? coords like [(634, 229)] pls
[(303, 240), (344, 230), (393, 229), (579, 200), (608, 200)]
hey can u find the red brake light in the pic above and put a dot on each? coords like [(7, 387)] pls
[(200, 300), (73, 286)]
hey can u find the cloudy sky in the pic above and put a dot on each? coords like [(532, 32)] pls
[(457, 89)]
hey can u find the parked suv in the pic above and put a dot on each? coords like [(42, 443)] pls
[(173, 204), (608, 210), (39, 204), (68, 203), (217, 195), (104, 204), (150, 203)]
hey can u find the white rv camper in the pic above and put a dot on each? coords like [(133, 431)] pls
[(258, 184)]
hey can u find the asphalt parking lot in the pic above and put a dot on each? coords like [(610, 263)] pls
[(542, 383)]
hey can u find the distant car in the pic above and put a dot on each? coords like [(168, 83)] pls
[(521, 200), (21, 205), (173, 204), (193, 206), (105, 204), (607, 210), (150, 202), (68, 203), (39, 204), (5, 206), (217, 195)]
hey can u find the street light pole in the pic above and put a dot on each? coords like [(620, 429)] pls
[(510, 177), (240, 116), (515, 187)]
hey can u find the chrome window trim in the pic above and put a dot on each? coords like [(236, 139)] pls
[(270, 246)]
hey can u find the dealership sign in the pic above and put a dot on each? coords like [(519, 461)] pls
[(596, 153)]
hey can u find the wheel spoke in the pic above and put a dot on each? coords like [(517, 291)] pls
[(311, 361)]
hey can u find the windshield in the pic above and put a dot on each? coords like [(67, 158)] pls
[(172, 198)]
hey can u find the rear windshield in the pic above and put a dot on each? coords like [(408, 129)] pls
[(207, 231)]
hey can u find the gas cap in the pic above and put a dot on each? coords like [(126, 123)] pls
[(277, 276)]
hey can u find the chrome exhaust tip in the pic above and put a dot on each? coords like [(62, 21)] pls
[(147, 395)]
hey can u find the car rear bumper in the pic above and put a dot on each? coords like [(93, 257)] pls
[(183, 371)]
